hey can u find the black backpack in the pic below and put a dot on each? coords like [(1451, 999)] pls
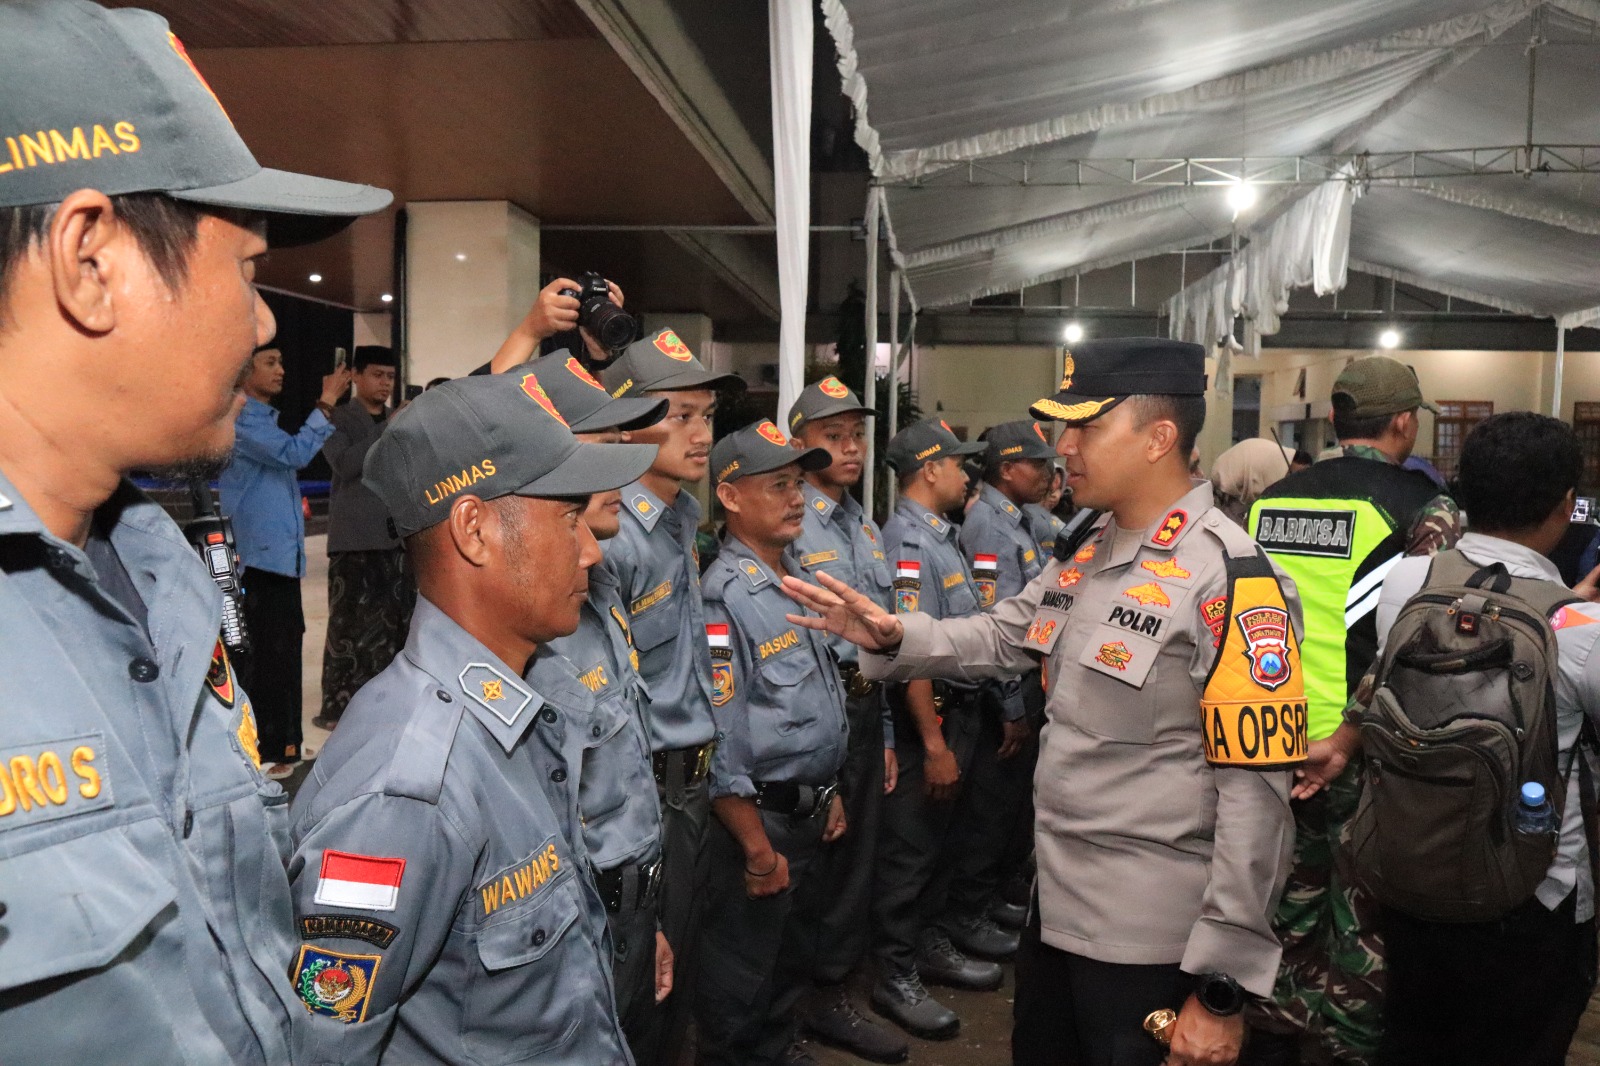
[(1464, 713)]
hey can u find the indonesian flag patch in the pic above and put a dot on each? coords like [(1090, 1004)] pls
[(363, 882)]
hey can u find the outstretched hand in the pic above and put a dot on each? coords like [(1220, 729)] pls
[(844, 612)]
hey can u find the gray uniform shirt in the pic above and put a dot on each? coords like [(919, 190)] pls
[(779, 704), (440, 882), (357, 519), (1046, 528), (141, 851), (1147, 853), (658, 575), (1577, 686), (839, 540), (616, 787), (996, 526)]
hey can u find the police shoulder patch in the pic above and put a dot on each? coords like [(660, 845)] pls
[(334, 983), (1253, 709)]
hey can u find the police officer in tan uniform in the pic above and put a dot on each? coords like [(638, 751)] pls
[(1175, 712)]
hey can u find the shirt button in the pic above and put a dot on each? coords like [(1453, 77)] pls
[(444, 697), (538, 938), (595, 732), (549, 716), (558, 775), (142, 669)]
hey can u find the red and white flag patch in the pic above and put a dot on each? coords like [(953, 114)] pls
[(364, 882), (717, 635), (985, 562), (908, 568)]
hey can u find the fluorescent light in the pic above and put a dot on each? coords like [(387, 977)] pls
[(1389, 338), (387, 298), (1073, 333), (461, 257), (316, 277), (1241, 197)]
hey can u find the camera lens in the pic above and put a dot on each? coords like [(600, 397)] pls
[(606, 322)]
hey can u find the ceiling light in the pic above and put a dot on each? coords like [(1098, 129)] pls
[(461, 257), (1241, 197), (387, 298), (1073, 333), (316, 277), (1389, 338)]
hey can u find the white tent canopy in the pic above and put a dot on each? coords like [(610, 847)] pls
[(1005, 134)]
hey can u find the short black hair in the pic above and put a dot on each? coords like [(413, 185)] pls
[(1515, 468), (1302, 457), (1188, 413), (165, 229), (1347, 427)]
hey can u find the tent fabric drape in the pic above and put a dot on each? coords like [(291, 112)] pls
[(792, 34), (951, 98)]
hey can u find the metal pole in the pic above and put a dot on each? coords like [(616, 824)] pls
[(1561, 364), (894, 363), (869, 388)]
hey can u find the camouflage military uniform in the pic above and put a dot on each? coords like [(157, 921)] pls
[(1330, 982)]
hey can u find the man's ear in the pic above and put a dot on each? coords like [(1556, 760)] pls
[(729, 497), (1162, 440), (468, 521), (88, 250)]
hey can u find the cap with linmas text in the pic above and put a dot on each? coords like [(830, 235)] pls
[(661, 363), (1011, 441), (584, 402), (925, 441), (1098, 375), (110, 100), (488, 436), (824, 399), (761, 448)]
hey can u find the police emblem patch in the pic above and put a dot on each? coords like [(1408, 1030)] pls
[(249, 737), (1169, 529), (668, 344), (336, 984), (1167, 568), (1041, 631), (1085, 553), (1147, 594), (219, 676), (535, 392), (1214, 613), (985, 586), (1069, 577), (1115, 655), (772, 434), (831, 386), (1266, 633)]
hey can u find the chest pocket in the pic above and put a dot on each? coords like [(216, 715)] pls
[(960, 599), (50, 930), (790, 682), (521, 1004), (1115, 661), (1029, 563), (604, 785), (657, 625)]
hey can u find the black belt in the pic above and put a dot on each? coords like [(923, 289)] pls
[(856, 685), (692, 765), (948, 698), (797, 801), (634, 886)]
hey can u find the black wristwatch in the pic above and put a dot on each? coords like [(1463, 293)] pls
[(1220, 994)]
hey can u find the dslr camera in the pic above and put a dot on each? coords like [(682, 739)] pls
[(607, 323)]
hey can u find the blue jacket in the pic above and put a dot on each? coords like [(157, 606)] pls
[(260, 492)]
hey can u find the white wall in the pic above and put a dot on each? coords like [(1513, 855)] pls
[(982, 385)]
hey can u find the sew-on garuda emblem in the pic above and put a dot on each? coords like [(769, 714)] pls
[(1266, 634), (336, 984)]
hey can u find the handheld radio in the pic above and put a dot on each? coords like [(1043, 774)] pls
[(211, 534)]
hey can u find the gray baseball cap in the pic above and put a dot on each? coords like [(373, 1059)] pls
[(584, 402), (823, 399), (110, 100), (488, 436), (661, 363), (1018, 440), (925, 441), (1377, 386), (761, 448)]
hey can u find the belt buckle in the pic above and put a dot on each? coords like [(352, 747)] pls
[(702, 764), (825, 799), (859, 685)]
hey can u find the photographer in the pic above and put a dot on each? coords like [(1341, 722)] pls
[(557, 310), (146, 906)]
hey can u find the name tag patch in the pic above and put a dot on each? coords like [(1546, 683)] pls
[(651, 598), (53, 779), (819, 557), (521, 881), (1292, 531), (347, 927)]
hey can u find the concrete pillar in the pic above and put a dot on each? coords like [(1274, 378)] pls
[(472, 273)]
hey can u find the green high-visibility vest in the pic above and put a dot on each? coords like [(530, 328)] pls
[(1337, 529)]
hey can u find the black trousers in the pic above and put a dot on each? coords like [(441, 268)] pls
[(270, 673), (633, 974), (845, 867), (1075, 1011), (1506, 993), (685, 868), (910, 885), (758, 954)]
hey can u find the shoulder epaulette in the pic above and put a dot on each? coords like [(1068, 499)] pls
[(938, 524)]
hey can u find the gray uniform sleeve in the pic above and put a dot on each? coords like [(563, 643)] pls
[(732, 761), (437, 875), (963, 649)]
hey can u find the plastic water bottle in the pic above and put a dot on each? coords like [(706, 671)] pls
[(1535, 815)]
